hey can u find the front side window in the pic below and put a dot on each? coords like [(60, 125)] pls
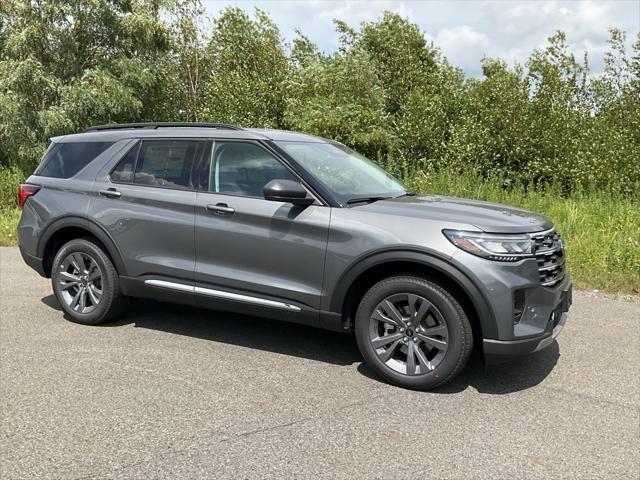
[(158, 163), (344, 172), (65, 160), (240, 168)]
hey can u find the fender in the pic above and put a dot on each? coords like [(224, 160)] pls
[(420, 257), (95, 229)]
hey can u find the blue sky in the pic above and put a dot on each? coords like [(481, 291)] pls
[(464, 30)]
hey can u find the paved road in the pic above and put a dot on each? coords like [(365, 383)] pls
[(183, 393)]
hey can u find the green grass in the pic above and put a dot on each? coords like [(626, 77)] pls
[(601, 230), (10, 178), (8, 222)]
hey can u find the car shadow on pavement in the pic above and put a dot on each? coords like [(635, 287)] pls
[(320, 345), (52, 302), (242, 330), (519, 374)]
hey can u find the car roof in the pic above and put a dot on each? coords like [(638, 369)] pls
[(113, 133)]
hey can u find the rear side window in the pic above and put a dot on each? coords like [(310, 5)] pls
[(64, 160), (158, 163)]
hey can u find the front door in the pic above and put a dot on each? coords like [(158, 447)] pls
[(255, 255)]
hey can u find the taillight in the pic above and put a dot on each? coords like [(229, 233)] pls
[(25, 190)]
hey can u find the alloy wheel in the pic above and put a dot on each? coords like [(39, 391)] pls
[(79, 282), (408, 333)]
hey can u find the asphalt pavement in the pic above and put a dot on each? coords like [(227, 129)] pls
[(175, 392)]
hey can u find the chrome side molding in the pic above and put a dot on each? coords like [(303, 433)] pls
[(181, 287), (245, 298)]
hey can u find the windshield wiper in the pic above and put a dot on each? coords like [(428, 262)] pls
[(365, 199), (408, 193)]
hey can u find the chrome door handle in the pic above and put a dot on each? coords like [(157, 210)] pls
[(111, 193), (220, 209)]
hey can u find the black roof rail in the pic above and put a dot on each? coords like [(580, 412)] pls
[(122, 126)]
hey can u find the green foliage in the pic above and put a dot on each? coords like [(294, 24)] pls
[(9, 218), (430, 123), (65, 65), (186, 71), (338, 97), (248, 69), (386, 91), (399, 54), (10, 178)]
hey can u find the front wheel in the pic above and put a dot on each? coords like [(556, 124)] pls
[(413, 333), (85, 282)]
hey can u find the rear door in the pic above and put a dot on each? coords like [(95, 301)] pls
[(254, 255), (145, 201)]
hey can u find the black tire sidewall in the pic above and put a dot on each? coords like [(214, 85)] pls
[(109, 281), (450, 311)]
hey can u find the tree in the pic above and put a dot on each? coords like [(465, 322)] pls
[(426, 123), (68, 64), (189, 64), (339, 97), (248, 67), (399, 52)]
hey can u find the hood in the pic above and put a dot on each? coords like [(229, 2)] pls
[(487, 216)]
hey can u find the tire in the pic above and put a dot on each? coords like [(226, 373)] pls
[(86, 283), (413, 333)]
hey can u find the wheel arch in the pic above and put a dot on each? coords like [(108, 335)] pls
[(367, 271), (68, 228)]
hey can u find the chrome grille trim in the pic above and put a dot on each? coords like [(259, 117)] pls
[(549, 253), (550, 267)]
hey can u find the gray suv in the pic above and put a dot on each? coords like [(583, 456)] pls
[(293, 227)]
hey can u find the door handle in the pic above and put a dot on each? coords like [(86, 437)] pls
[(110, 193), (220, 209)]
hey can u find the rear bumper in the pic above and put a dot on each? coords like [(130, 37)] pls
[(499, 351), (33, 261)]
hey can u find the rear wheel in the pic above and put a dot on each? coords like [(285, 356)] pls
[(85, 282), (413, 333)]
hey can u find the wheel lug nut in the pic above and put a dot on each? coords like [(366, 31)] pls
[(402, 329), (405, 339)]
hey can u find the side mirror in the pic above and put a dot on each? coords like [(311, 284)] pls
[(288, 191)]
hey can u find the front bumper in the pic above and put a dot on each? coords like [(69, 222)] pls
[(499, 351)]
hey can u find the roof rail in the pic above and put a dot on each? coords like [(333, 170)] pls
[(154, 125)]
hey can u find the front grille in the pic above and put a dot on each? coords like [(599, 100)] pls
[(549, 253)]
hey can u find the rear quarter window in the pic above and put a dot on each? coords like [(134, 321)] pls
[(64, 160)]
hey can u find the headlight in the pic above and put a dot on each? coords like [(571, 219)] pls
[(504, 247)]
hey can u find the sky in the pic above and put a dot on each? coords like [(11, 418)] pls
[(465, 31)]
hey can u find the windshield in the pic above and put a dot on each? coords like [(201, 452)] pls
[(344, 172)]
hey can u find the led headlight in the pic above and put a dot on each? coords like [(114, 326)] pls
[(504, 247)]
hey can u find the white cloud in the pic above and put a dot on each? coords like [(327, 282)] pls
[(463, 45), (353, 12), (527, 25)]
